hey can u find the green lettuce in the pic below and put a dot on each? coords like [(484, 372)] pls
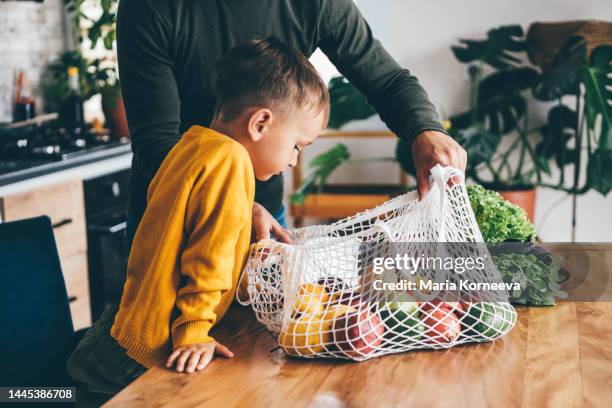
[(498, 219)]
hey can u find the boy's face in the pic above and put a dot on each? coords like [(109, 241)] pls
[(282, 137)]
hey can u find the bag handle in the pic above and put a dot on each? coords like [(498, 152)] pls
[(441, 175)]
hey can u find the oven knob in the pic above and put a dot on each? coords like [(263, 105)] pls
[(112, 189)]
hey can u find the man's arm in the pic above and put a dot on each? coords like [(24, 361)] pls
[(149, 89), (346, 38)]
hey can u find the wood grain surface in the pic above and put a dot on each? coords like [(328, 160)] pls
[(557, 356)]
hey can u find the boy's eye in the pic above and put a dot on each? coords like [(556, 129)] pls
[(296, 147)]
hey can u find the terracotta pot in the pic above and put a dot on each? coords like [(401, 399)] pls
[(523, 198), (116, 120)]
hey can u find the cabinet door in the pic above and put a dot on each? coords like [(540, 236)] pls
[(64, 204)]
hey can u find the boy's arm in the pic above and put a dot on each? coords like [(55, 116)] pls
[(218, 210), (346, 38)]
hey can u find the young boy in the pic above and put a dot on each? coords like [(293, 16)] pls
[(192, 242)]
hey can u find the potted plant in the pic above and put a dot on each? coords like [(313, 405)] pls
[(505, 151), (93, 78), (102, 28)]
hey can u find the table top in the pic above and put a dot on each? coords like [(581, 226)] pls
[(555, 356)]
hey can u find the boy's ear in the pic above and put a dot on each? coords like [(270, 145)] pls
[(259, 123)]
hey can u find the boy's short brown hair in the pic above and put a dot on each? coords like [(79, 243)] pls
[(270, 73)]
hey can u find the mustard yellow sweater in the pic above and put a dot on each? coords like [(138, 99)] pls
[(189, 248)]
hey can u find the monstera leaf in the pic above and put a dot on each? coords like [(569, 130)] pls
[(347, 103), (598, 93), (599, 171), (479, 143), (496, 50), (500, 103), (563, 76), (556, 133)]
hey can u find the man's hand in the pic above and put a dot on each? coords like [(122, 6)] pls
[(264, 223), (196, 356), (430, 148)]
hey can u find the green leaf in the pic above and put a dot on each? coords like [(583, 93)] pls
[(498, 219), (347, 103), (563, 76), (322, 167), (497, 50), (598, 93), (599, 171), (109, 38), (500, 103), (559, 129), (479, 143)]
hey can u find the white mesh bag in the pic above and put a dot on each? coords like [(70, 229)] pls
[(322, 296)]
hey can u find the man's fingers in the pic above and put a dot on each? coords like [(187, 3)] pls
[(221, 350), (280, 233), (422, 184)]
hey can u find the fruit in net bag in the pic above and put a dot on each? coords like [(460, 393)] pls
[(488, 320), (332, 284), (310, 299), (358, 333), (402, 322), (305, 336), (442, 324)]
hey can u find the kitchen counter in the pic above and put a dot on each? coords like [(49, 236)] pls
[(555, 356), (84, 167)]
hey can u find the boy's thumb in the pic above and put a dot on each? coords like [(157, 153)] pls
[(221, 350)]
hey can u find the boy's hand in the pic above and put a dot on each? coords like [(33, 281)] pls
[(196, 356), (264, 223)]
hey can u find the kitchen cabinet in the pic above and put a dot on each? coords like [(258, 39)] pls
[(62, 202)]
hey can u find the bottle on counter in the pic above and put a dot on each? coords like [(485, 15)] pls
[(24, 100), (72, 112)]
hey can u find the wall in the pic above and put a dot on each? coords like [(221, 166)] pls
[(31, 35), (419, 35)]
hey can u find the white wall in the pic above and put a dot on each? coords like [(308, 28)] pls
[(31, 35), (419, 35)]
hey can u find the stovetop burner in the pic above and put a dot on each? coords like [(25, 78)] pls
[(38, 144)]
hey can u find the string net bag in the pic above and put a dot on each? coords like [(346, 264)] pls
[(333, 293)]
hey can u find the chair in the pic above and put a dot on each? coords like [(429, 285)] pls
[(36, 331)]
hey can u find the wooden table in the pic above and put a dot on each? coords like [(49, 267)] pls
[(559, 356)]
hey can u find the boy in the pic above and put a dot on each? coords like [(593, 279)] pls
[(193, 239)]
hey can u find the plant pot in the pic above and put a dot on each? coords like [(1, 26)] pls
[(114, 111), (523, 198)]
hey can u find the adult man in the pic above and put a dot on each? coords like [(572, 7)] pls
[(167, 49)]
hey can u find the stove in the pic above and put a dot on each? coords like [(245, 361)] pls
[(38, 144)]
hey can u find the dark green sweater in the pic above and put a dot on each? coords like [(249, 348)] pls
[(167, 50)]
